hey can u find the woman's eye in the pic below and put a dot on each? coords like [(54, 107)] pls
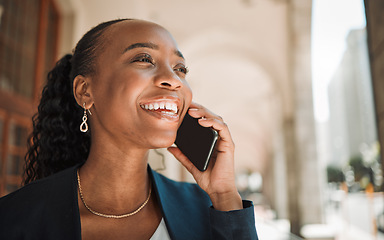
[(182, 69), (146, 58)]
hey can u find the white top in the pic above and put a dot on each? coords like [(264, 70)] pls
[(161, 232)]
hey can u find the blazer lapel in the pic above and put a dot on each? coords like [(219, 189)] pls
[(185, 208)]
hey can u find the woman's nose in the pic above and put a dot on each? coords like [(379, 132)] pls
[(167, 78)]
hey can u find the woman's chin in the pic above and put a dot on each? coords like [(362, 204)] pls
[(163, 142), (165, 145)]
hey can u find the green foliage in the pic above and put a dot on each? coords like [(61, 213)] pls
[(359, 168), (335, 174)]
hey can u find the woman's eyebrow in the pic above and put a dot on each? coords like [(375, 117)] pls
[(151, 46), (141, 45), (179, 54)]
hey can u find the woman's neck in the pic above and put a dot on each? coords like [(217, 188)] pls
[(113, 178)]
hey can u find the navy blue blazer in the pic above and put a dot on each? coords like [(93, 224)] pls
[(48, 209)]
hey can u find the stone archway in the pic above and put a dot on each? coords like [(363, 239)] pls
[(226, 77)]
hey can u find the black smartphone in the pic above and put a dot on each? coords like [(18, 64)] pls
[(196, 142)]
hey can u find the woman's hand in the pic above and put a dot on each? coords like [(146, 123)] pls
[(218, 181)]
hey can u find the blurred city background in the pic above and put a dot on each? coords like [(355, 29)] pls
[(299, 82)]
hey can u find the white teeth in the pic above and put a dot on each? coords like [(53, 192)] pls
[(171, 107), (168, 113), (161, 105), (168, 106)]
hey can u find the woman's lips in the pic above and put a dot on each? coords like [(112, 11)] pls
[(161, 105), (164, 107), (163, 114)]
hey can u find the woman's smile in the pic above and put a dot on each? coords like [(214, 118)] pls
[(165, 108)]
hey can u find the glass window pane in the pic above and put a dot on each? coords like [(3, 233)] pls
[(1, 130), (18, 135), (14, 165), (18, 44)]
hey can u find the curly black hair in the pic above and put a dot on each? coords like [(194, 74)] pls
[(56, 142)]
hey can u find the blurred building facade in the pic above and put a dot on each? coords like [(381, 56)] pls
[(352, 117)]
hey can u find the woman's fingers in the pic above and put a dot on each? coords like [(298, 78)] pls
[(209, 119), (219, 179), (219, 126), (198, 111), (195, 105)]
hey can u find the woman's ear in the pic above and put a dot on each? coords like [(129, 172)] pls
[(82, 91)]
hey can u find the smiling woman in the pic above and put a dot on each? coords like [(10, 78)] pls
[(125, 85)]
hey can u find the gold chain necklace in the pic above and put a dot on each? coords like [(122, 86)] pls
[(110, 215)]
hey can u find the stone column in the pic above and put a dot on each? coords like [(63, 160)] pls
[(305, 205), (293, 175)]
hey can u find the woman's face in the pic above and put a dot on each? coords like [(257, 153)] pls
[(139, 90)]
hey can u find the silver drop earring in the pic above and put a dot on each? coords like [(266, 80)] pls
[(84, 125)]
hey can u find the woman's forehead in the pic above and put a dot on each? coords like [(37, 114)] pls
[(137, 31)]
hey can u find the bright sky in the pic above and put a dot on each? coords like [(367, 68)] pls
[(331, 22)]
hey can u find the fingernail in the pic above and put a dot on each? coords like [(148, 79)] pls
[(194, 109)]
